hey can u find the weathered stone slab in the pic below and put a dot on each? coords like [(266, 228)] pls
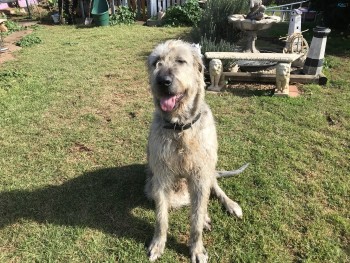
[(278, 57)]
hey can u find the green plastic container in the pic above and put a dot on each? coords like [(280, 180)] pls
[(100, 12)]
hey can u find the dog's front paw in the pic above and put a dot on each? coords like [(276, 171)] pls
[(234, 208), (207, 223), (199, 256), (156, 249)]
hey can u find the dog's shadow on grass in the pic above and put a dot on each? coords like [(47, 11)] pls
[(104, 199)]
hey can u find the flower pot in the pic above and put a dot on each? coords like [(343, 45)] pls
[(100, 12)]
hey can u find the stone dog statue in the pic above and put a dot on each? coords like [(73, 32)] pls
[(282, 78), (215, 70)]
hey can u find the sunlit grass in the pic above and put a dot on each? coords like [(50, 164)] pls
[(75, 112)]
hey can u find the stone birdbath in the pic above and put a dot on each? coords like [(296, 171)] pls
[(252, 26)]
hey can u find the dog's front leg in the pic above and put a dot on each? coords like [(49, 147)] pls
[(199, 191), (156, 248)]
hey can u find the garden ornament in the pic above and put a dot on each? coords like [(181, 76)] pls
[(282, 78), (257, 10), (3, 29), (295, 22), (253, 22), (160, 14), (215, 70), (314, 60)]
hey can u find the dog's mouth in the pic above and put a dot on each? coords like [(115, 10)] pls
[(169, 103)]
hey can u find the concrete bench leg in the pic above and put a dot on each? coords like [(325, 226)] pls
[(282, 79)]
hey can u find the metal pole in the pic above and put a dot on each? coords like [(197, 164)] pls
[(30, 15)]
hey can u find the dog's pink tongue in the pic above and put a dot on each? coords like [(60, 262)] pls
[(168, 103)]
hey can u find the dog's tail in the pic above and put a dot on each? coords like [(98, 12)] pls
[(220, 174)]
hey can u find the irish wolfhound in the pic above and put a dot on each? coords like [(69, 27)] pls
[(182, 145)]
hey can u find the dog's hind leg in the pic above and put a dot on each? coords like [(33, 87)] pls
[(231, 206)]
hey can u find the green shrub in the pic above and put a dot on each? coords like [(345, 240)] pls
[(214, 23), (123, 15), (12, 26), (28, 41), (212, 45), (188, 14)]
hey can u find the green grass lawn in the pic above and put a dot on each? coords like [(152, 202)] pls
[(74, 117)]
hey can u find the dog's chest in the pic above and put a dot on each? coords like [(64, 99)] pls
[(182, 153), (186, 152)]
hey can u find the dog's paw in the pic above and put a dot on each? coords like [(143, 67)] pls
[(156, 249), (234, 208), (207, 223), (199, 256)]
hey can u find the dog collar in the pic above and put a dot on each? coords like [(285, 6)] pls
[(181, 127)]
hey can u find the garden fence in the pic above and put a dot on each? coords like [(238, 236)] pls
[(284, 10), (147, 8)]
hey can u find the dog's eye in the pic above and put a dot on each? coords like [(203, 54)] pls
[(154, 60), (181, 61), (158, 64), (154, 64)]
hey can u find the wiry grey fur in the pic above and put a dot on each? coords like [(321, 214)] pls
[(182, 163)]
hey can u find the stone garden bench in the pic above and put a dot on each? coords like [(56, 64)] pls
[(282, 69)]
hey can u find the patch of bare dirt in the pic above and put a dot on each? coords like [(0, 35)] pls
[(10, 43)]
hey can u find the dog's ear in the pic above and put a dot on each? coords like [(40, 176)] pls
[(196, 51), (198, 62)]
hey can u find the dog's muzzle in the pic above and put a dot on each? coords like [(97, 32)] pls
[(166, 90), (164, 81)]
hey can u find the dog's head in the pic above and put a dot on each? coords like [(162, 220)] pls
[(176, 76)]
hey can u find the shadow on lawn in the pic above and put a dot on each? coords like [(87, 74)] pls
[(102, 199)]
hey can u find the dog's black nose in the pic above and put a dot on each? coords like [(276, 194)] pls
[(164, 80)]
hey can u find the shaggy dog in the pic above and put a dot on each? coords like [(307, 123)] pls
[(182, 145)]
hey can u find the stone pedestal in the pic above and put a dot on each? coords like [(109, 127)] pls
[(250, 46)]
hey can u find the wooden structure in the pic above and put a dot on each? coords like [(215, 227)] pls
[(154, 6)]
